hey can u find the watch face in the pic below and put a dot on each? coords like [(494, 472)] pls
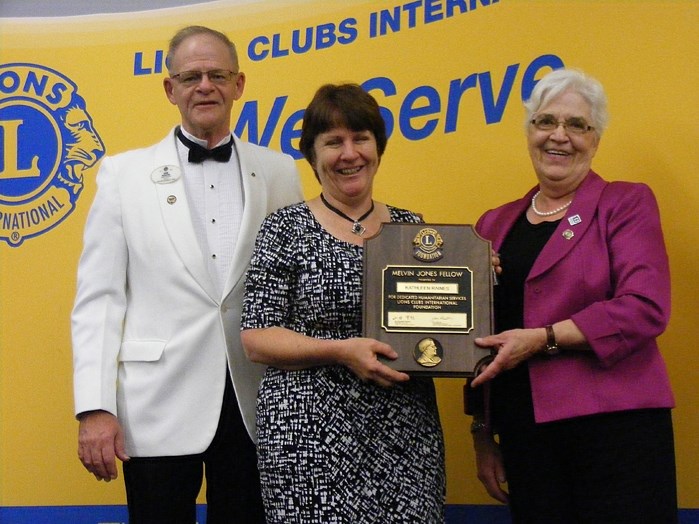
[(478, 425), (551, 349)]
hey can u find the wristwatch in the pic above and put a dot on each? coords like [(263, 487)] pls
[(478, 425), (551, 347)]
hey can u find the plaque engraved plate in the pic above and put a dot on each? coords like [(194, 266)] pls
[(428, 293)]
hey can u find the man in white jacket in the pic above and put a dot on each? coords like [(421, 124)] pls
[(160, 378)]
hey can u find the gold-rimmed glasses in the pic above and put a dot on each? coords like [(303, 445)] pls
[(193, 78), (575, 125)]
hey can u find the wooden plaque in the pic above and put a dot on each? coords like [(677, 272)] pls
[(428, 292)]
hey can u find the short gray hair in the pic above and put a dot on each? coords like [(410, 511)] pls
[(194, 30), (560, 80)]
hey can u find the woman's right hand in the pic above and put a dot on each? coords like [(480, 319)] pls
[(491, 470), (361, 356), (286, 349)]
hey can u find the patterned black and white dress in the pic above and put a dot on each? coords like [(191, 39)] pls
[(331, 448)]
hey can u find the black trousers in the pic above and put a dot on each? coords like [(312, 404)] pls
[(612, 468), (163, 490)]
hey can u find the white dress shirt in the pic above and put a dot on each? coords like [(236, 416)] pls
[(215, 194)]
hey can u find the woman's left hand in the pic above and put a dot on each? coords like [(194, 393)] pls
[(513, 347), (495, 260)]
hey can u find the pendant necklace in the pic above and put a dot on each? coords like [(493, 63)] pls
[(357, 228), (548, 213)]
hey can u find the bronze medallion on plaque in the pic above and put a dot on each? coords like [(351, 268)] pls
[(428, 292)]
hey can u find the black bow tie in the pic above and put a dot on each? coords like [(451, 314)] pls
[(197, 153)]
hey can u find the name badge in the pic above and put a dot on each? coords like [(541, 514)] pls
[(575, 219), (165, 174)]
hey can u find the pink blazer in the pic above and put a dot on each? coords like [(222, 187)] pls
[(606, 268)]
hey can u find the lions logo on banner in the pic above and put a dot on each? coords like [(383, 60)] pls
[(47, 141)]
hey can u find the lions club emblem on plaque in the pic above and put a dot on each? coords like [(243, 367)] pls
[(427, 245)]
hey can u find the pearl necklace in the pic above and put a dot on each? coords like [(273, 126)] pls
[(357, 228), (548, 213)]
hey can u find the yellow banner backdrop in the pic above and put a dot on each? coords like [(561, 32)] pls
[(450, 76)]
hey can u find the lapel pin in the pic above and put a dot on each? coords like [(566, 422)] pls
[(568, 234), (575, 219)]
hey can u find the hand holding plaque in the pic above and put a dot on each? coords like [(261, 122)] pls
[(428, 293)]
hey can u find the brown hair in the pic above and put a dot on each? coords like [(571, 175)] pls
[(342, 105)]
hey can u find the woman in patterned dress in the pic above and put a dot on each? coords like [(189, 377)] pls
[(342, 438)]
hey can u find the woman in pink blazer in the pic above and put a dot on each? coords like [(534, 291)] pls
[(579, 396)]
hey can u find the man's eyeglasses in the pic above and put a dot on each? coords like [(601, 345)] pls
[(193, 78), (574, 125)]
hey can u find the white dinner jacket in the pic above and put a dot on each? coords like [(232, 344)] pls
[(151, 335)]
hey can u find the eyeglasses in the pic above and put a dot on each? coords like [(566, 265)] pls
[(574, 125), (193, 78)]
